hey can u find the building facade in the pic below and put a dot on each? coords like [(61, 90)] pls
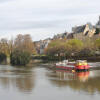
[(83, 31)]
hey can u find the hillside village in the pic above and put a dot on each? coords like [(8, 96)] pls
[(78, 32)]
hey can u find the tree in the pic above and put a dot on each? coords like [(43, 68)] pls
[(55, 47), (24, 43), (73, 46), (97, 31), (4, 46), (64, 48), (20, 57), (88, 48), (23, 49), (2, 57), (97, 43), (11, 46)]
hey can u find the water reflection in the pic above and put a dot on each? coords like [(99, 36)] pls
[(21, 79), (83, 76), (88, 81), (28, 79)]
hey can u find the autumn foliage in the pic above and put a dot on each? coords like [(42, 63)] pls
[(72, 47), (23, 49), (18, 50)]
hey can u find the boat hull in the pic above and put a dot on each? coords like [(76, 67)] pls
[(82, 67), (77, 68), (65, 67)]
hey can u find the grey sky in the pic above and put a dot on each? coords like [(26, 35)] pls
[(44, 18)]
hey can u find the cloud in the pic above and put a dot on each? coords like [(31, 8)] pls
[(5, 1), (42, 16)]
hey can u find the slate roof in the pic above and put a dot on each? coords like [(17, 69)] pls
[(90, 26), (60, 35), (79, 29)]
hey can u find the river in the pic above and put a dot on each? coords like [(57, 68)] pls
[(41, 83)]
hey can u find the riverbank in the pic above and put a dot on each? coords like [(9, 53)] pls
[(45, 58)]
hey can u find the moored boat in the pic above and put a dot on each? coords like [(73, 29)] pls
[(79, 65), (65, 65)]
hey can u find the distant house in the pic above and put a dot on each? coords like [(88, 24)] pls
[(70, 36), (60, 36), (83, 31), (43, 45), (37, 46)]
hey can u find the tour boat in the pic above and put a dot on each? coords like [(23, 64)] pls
[(78, 65), (81, 65)]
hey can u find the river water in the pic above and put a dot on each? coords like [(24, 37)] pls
[(41, 83)]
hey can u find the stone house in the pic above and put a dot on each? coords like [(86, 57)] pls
[(83, 31)]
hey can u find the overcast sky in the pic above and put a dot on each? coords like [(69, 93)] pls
[(44, 18)]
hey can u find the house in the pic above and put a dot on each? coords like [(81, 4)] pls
[(83, 31), (61, 36), (41, 45)]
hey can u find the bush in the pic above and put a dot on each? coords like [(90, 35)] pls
[(86, 52), (97, 31), (2, 57), (97, 43), (20, 58)]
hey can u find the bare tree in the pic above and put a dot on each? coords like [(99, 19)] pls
[(24, 43), (4, 46)]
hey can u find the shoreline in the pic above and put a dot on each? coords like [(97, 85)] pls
[(55, 59)]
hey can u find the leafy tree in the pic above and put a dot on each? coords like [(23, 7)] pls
[(64, 48), (73, 46), (23, 49), (20, 57), (97, 43), (4, 46), (2, 57), (97, 31), (55, 47)]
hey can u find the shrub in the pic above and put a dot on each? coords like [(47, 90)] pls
[(97, 31), (20, 57), (2, 57), (86, 52), (97, 43)]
